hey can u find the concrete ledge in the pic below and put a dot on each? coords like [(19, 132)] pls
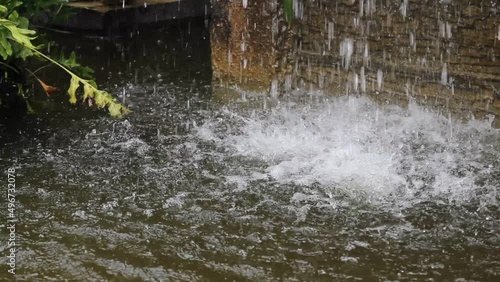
[(98, 17)]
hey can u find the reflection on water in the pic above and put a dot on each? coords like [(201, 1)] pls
[(186, 189)]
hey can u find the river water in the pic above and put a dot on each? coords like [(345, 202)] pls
[(188, 188)]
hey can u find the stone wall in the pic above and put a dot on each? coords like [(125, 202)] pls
[(440, 52), (246, 42)]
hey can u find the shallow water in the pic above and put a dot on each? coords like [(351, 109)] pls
[(305, 188)]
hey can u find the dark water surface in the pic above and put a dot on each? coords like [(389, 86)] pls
[(188, 189)]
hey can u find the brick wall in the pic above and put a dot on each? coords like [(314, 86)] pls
[(444, 53)]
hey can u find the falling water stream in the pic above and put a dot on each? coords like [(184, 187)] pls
[(308, 187)]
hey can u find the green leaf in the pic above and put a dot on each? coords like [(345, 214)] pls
[(288, 9), (3, 9), (20, 35), (88, 91), (100, 99), (115, 110), (13, 16), (3, 53), (23, 22), (16, 41), (5, 46), (91, 82), (74, 84), (71, 63), (20, 52), (11, 5)]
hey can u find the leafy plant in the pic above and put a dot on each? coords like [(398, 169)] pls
[(16, 42), (71, 63)]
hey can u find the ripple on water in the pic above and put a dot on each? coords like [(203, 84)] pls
[(339, 189)]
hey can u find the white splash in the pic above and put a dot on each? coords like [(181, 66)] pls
[(445, 30), (383, 154), (449, 34), (404, 8), (298, 9), (363, 80), (380, 79), (413, 42), (331, 34), (346, 51), (444, 74), (274, 88), (366, 54)]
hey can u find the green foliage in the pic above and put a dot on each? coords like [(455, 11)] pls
[(16, 42), (31, 8), (72, 64), (102, 99), (288, 9), (10, 5), (14, 33)]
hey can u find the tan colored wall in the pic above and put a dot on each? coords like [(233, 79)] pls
[(245, 50), (461, 37)]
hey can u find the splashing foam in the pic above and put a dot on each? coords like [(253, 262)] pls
[(383, 154)]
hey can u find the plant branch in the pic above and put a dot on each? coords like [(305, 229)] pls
[(9, 66)]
